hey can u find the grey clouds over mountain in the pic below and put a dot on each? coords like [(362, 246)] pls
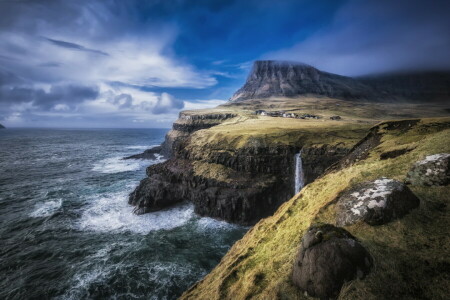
[(136, 63), (366, 37)]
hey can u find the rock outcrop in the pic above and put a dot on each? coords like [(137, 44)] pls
[(240, 187), (328, 257), (280, 78), (375, 202), (237, 184), (153, 153), (433, 170), (288, 79), (186, 124)]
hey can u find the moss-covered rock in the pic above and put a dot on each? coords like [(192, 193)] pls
[(433, 170), (375, 202), (328, 257)]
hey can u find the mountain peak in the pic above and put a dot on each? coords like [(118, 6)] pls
[(285, 78), (272, 78)]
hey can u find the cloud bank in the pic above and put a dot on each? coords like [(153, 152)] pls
[(367, 37)]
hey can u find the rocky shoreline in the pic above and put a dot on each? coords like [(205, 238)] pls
[(236, 185)]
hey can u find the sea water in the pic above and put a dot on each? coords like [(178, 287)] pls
[(67, 231)]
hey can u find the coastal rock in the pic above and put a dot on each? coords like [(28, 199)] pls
[(433, 170), (328, 257), (375, 202), (186, 124), (241, 197), (240, 185), (153, 153)]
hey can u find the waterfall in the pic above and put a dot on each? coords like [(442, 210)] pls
[(299, 176)]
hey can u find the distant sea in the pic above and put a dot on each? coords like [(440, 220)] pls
[(67, 231)]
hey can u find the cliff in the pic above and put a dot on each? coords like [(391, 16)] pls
[(289, 79), (236, 171), (410, 254), (238, 166)]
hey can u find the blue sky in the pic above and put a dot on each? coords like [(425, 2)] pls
[(136, 63)]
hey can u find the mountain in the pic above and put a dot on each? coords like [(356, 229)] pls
[(2, 127), (288, 79)]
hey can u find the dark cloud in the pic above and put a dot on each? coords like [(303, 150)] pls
[(74, 46), (14, 91), (379, 36)]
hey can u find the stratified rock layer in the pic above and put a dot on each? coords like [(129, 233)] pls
[(375, 202), (433, 170), (280, 78), (288, 79), (328, 257), (240, 184)]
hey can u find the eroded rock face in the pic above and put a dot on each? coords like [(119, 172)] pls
[(270, 78), (152, 153), (375, 202), (187, 124), (328, 257), (244, 198), (433, 170)]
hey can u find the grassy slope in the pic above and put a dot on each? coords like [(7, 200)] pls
[(411, 255)]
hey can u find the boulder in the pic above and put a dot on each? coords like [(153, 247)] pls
[(328, 257), (152, 153), (375, 202), (433, 170)]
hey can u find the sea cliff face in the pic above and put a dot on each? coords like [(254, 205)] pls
[(235, 177), (406, 252)]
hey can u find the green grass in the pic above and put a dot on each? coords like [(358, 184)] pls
[(412, 255)]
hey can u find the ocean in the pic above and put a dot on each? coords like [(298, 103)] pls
[(67, 231)]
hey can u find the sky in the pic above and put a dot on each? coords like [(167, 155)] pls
[(137, 63)]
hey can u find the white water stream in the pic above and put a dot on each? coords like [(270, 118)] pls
[(299, 176)]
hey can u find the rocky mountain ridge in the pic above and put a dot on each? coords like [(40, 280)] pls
[(288, 79)]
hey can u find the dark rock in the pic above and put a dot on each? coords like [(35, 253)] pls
[(153, 153), (361, 150), (394, 153), (433, 170), (328, 257), (187, 124), (280, 78), (245, 199), (375, 202), (288, 79), (260, 178)]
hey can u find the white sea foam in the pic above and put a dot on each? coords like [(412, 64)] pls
[(118, 164), (83, 280), (111, 213), (141, 147), (46, 209), (206, 223)]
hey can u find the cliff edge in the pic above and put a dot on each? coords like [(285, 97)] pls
[(410, 255)]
